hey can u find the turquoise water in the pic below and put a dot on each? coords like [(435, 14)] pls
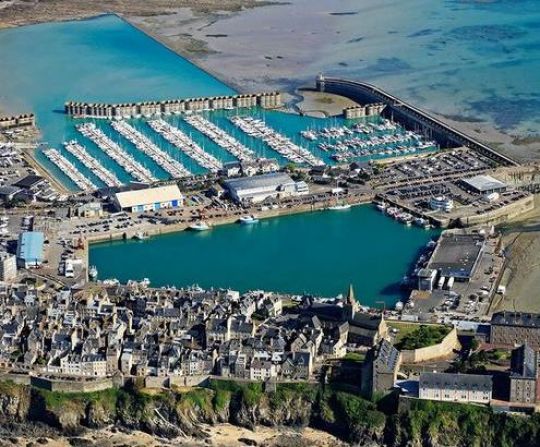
[(103, 59), (319, 253)]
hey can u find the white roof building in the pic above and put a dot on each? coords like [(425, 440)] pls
[(149, 199), (484, 184), (260, 187)]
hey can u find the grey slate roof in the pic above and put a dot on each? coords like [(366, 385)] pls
[(516, 319), (456, 381)]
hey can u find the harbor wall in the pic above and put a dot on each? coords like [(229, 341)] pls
[(17, 121), (500, 215), (165, 229), (147, 108), (411, 117), (443, 349)]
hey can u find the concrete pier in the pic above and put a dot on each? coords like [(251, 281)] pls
[(152, 108), (408, 115)]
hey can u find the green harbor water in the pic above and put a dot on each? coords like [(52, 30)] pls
[(318, 253)]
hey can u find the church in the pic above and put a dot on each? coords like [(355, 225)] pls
[(365, 328)]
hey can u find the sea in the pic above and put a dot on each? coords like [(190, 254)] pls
[(317, 253), (471, 60)]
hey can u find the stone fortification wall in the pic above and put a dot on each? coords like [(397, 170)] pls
[(443, 349), (73, 386)]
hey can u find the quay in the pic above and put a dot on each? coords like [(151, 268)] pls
[(113, 150), (221, 138), (171, 106), (81, 154), (409, 115), (71, 171), (141, 142), (179, 139), (280, 143)]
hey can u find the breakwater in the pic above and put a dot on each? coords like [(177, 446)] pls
[(17, 121), (171, 106), (408, 115)]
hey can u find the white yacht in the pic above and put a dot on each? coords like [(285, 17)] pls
[(248, 220), (199, 226)]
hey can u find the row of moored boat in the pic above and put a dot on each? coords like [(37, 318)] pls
[(258, 129), (179, 139), (141, 142), (113, 150), (67, 168), (221, 138), (101, 172)]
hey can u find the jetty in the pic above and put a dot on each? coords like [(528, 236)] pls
[(220, 137), (281, 144), (143, 143), (81, 154), (113, 150), (179, 139), (69, 170)]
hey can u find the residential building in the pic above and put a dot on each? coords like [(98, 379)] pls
[(8, 267), (380, 368), (513, 328), (463, 388), (523, 377)]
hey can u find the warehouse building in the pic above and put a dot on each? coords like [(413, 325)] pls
[(8, 267), (457, 255), (483, 184), (30, 249), (258, 188), (149, 199)]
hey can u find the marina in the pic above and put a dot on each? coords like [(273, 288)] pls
[(220, 137), (179, 139), (257, 128), (162, 158), (113, 150), (368, 138), (81, 154), (66, 166)]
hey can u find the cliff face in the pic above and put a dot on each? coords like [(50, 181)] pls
[(170, 414)]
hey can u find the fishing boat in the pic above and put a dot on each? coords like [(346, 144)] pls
[(199, 226), (140, 236), (92, 272), (248, 220)]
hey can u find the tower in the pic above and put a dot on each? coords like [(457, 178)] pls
[(351, 306), (320, 82)]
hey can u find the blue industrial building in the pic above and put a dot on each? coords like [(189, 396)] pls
[(30, 249)]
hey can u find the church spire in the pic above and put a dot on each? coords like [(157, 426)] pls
[(350, 296)]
